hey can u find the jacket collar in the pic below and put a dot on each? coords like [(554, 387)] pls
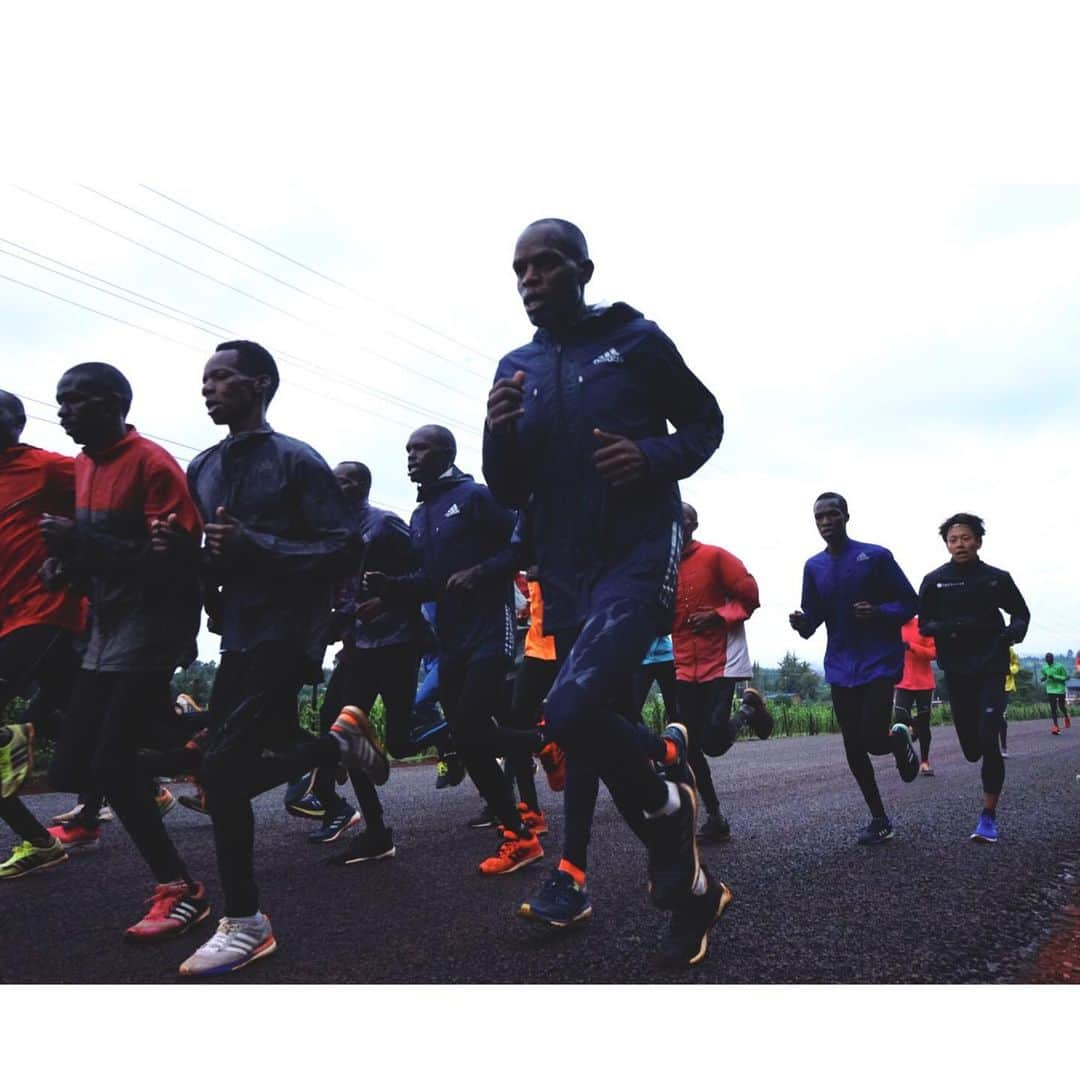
[(599, 319), (433, 488), (110, 453)]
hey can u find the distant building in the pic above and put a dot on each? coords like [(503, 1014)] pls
[(1072, 691)]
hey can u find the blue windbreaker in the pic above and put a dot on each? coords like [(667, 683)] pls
[(616, 371), (858, 651)]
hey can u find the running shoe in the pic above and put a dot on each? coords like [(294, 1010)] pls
[(1068, 722), (878, 831), (561, 902), (27, 858), (196, 802), (986, 830), (926, 769), (104, 814), (234, 945), (715, 829), (344, 817), (758, 716), (678, 771), (174, 909), (553, 759), (299, 796), (421, 734), (688, 932), (486, 819), (450, 771), (907, 757), (1055, 730), (16, 757), (360, 747), (75, 836), (164, 799), (673, 851), (369, 845), (514, 852), (533, 820)]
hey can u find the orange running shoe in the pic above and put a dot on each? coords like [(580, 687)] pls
[(533, 820), (514, 853), (554, 761), (1055, 730)]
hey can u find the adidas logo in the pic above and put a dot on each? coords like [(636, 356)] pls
[(862, 557), (452, 511), (612, 356)]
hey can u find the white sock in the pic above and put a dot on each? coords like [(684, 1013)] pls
[(671, 806)]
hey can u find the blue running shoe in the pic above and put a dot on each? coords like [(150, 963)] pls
[(986, 831), (344, 817), (561, 902), (877, 832), (309, 806), (679, 771), (907, 759), (297, 794)]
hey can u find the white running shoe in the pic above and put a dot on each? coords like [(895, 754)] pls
[(104, 814), (235, 945)]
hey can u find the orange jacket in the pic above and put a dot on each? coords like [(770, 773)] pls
[(917, 656), (710, 577)]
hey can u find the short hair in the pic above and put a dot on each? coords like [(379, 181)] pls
[(107, 378), (446, 437), (972, 521), (833, 495), (362, 471), (573, 237), (13, 403), (254, 360)]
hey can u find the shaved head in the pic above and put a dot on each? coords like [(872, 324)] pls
[(564, 235)]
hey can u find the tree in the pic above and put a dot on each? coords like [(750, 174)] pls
[(798, 677), (196, 681)]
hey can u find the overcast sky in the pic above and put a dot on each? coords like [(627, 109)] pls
[(872, 317)]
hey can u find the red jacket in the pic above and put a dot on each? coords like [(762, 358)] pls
[(917, 656), (33, 482), (710, 577)]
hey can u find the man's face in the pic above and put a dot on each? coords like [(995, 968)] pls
[(228, 393), (87, 410), (351, 482), (551, 282), (830, 519), (962, 543), (689, 522), (12, 423), (427, 456)]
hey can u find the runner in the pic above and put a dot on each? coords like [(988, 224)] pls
[(462, 540), (960, 607), (277, 539), (863, 598), (657, 668), (1055, 676), (1010, 688), (144, 615), (915, 690), (38, 624), (577, 421), (380, 656), (715, 597)]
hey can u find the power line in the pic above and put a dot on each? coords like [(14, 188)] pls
[(242, 292), (148, 434), (325, 277)]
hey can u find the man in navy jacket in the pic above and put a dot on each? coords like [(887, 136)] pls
[(461, 537), (863, 598), (577, 421)]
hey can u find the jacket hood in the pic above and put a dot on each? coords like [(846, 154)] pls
[(599, 319), (433, 488)]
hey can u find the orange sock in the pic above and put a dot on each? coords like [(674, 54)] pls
[(569, 868)]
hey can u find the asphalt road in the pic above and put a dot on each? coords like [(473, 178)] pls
[(810, 906)]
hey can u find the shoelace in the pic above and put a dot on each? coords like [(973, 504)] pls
[(161, 902), (22, 849), (226, 932)]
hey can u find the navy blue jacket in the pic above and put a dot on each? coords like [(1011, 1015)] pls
[(960, 607), (859, 650), (299, 543), (387, 549), (458, 525), (617, 371)]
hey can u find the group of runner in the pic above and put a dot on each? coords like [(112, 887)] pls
[(110, 557)]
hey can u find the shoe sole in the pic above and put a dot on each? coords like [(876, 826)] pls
[(165, 935), (513, 869), (35, 869), (526, 912), (92, 845), (726, 896), (983, 839), (482, 825), (365, 858), (877, 841), (294, 812), (265, 949), (354, 820), (926, 772)]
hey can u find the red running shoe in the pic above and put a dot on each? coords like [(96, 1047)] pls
[(554, 761), (1055, 730), (76, 837), (533, 820), (174, 908), (514, 853)]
